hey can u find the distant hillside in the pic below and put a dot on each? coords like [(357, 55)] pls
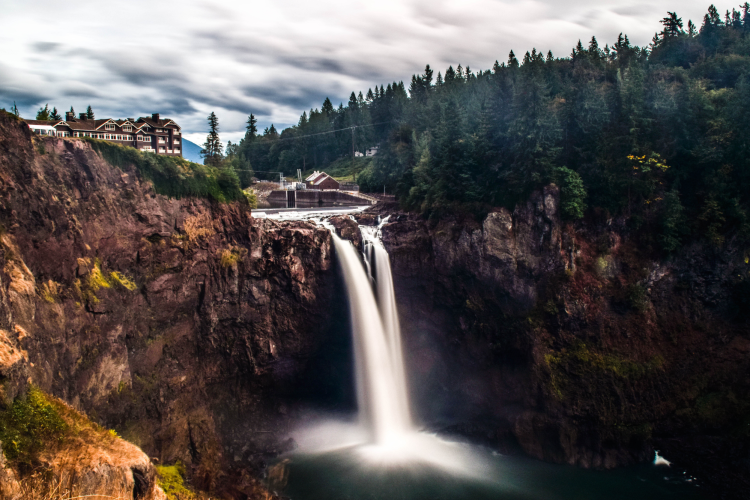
[(191, 151)]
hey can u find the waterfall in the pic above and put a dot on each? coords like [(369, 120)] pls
[(381, 383)]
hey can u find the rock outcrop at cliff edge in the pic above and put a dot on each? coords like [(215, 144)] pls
[(574, 344), (183, 324)]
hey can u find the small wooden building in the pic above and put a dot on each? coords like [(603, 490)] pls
[(321, 181)]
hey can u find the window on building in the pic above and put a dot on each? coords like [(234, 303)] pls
[(161, 150), (109, 126), (139, 138), (177, 150), (161, 140), (147, 138), (127, 128)]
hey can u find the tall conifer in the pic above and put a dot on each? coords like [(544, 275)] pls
[(212, 148)]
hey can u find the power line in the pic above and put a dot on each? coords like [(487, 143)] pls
[(333, 131)]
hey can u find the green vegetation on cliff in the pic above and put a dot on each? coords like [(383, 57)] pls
[(28, 426), (174, 176)]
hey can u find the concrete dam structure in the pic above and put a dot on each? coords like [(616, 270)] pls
[(314, 198)]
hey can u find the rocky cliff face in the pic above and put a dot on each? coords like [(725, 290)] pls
[(573, 345), (187, 326)]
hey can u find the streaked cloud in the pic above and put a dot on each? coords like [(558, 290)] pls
[(186, 59)]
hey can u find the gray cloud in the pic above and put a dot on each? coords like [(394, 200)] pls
[(279, 59)]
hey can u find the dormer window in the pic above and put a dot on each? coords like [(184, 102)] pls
[(127, 128), (109, 126)]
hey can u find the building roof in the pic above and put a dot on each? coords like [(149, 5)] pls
[(312, 176), (160, 123), (48, 123), (322, 177)]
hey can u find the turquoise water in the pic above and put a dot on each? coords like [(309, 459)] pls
[(343, 474)]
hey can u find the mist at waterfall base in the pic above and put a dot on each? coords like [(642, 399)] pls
[(381, 455)]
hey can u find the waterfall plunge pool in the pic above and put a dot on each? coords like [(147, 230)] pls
[(382, 456), (337, 461)]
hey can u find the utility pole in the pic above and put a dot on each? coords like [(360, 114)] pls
[(352, 142)]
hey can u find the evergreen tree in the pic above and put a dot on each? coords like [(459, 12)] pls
[(252, 128), (353, 104), (55, 115), (427, 77), (327, 108), (72, 111), (672, 26), (89, 113), (43, 113), (512, 61), (212, 148), (14, 109)]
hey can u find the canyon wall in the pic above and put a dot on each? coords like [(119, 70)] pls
[(572, 344), (185, 325)]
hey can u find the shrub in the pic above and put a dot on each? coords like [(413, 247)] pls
[(572, 193), (28, 426), (172, 176), (171, 480), (231, 256)]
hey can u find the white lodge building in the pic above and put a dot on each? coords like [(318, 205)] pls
[(148, 134)]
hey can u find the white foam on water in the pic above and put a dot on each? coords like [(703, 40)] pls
[(384, 434)]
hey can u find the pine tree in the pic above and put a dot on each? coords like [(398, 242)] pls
[(450, 75), (370, 97), (43, 113), (252, 129), (672, 26), (594, 52), (89, 113), (302, 120), (72, 112), (212, 148), (327, 108), (55, 115), (512, 61), (14, 109), (439, 80), (549, 56), (353, 104), (427, 77), (272, 131)]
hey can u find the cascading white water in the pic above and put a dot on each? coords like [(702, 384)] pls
[(381, 385), (377, 257)]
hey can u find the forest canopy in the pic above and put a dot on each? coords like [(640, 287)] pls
[(660, 134)]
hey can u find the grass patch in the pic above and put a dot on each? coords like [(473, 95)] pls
[(50, 291), (173, 176), (121, 280), (29, 426), (231, 256), (96, 279), (172, 481)]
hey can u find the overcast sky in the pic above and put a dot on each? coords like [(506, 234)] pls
[(277, 58)]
